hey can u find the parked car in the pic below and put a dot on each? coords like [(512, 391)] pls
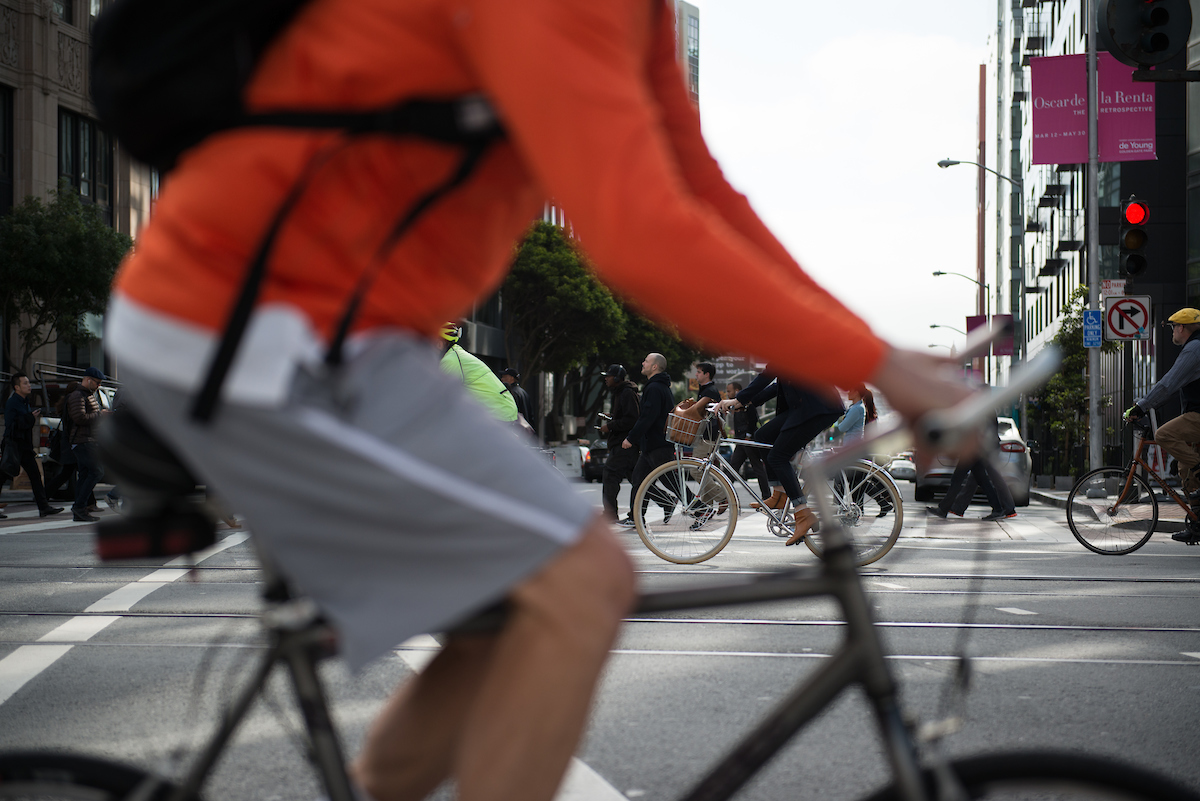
[(593, 460), (1013, 460), (902, 468)]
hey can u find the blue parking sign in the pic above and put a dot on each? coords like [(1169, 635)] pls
[(1093, 327)]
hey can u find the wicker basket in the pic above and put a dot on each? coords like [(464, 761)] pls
[(682, 429)]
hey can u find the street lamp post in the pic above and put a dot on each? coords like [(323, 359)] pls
[(987, 312), (1017, 258), (952, 328)]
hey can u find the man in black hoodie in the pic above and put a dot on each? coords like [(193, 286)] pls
[(621, 461), (649, 433)]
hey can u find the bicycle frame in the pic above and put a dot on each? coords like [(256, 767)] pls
[(299, 637), (1140, 461)]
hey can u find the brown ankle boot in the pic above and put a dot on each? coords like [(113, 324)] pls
[(776, 501), (805, 519)]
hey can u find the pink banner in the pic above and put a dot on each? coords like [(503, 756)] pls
[(1126, 123)]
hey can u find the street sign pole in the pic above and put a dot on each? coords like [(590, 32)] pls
[(1095, 441)]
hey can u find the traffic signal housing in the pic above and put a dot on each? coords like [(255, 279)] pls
[(1142, 33), (1133, 237)]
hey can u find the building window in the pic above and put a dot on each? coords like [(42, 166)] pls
[(85, 159), (6, 149), (65, 10)]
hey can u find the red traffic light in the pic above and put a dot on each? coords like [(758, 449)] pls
[(1136, 213)]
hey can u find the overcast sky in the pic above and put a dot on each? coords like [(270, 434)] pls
[(831, 117)]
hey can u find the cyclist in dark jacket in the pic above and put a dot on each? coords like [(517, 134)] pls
[(799, 416)]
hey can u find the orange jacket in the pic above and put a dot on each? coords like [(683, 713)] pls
[(598, 118)]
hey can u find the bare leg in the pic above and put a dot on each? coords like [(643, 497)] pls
[(503, 714)]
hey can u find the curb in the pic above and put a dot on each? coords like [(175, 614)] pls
[(1060, 501)]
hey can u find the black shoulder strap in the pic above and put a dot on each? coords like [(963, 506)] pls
[(206, 402)]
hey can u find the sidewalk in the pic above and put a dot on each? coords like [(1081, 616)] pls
[(1170, 516)]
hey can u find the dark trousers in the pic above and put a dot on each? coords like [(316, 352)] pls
[(30, 464), (88, 463), (618, 467), (743, 452), (963, 500), (647, 461), (789, 437), (979, 471)]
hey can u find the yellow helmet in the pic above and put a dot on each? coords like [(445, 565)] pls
[(451, 331)]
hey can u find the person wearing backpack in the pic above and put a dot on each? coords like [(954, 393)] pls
[(276, 325), (85, 412)]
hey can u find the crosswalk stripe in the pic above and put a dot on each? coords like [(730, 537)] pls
[(24, 664)]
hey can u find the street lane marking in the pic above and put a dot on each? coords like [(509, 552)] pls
[(24, 664), (1192, 654), (889, 586), (43, 526), (907, 657), (80, 629), (1012, 610)]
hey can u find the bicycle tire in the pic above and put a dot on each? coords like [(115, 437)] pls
[(703, 511), (1105, 523), (868, 506), (1052, 776), (52, 776)]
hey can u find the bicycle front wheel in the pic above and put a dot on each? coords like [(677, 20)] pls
[(867, 506), (1112, 511), (685, 511), (1051, 776), (48, 776)]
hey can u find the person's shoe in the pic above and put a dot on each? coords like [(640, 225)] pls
[(936, 511), (3, 516), (626, 523), (806, 520), (113, 503), (95, 507), (668, 514), (884, 509), (84, 517), (1000, 516), (777, 500), (49, 510), (1187, 537), (703, 517)]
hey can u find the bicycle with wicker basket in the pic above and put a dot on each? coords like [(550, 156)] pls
[(700, 508)]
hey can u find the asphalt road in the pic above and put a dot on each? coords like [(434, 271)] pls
[(1070, 650)]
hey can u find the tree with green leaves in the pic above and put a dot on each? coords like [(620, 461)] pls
[(57, 262), (560, 319), (1063, 402)]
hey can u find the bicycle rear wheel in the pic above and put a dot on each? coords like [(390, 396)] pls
[(698, 507), (48, 776), (1111, 511), (1052, 776), (867, 506)]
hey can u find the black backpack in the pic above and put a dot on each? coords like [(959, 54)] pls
[(168, 73)]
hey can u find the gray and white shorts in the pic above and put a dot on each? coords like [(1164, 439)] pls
[(383, 492)]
